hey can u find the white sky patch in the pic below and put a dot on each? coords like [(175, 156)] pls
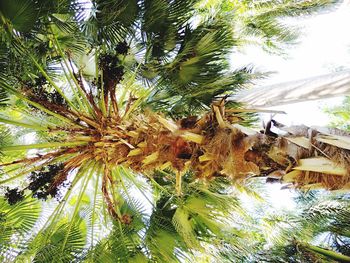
[(309, 113), (324, 46), (281, 199), (87, 8), (29, 138)]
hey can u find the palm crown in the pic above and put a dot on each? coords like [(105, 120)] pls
[(125, 103)]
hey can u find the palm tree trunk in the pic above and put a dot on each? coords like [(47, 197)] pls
[(212, 146)]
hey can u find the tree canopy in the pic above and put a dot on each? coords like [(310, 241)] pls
[(118, 143)]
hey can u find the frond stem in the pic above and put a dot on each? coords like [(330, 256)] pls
[(42, 145)]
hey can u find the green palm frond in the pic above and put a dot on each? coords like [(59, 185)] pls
[(23, 14), (49, 247), (121, 245), (111, 21), (199, 72), (5, 138), (163, 25), (340, 115), (261, 22), (274, 33), (3, 98), (322, 221), (162, 239), (290, 8), (331, 216), (124, 243), (29, 17), (16, 223)]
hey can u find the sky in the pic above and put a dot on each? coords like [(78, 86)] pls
[(324, 47)]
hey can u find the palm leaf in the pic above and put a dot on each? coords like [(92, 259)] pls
[(110, 21), (51, 250), (3, 98), (16, 223)]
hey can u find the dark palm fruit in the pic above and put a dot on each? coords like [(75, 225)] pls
[(37, 93), (122, 48), (40, 81), (189, 122), (57, 99), (110, 64), (40, 195), (42, 48), (113, 71), (41, 181), (14, 195)]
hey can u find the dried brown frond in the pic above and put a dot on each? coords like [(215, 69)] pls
[(309, 180)]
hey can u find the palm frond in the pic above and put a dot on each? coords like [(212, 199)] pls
[(16, 223), (163, 25), (3, 98), (22, 14), (291, 8), (111, 21), (47, 247), (5, 138), (198, 73), (261, 22)]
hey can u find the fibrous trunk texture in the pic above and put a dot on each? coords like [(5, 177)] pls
[(210, 146), (213, 146)]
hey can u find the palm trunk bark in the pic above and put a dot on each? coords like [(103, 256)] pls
[(212, 146)]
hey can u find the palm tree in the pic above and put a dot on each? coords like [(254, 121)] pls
[(123, 104), (318, 232), (340, 114)]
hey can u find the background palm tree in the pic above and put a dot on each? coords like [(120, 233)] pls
[(317, 232), (131, 143), (340, 114)]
